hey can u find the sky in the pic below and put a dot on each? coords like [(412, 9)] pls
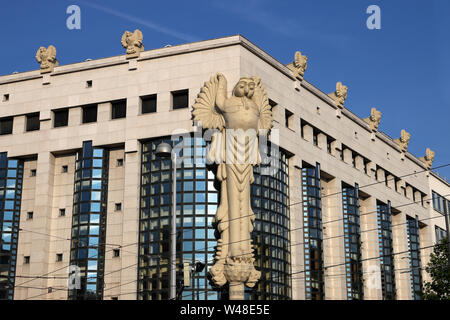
[(401, 69)]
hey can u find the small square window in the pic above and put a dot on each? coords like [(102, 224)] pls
[(30, 215), (119, 109), (59, 257), (33, 173), (116, 253), (180, 99), (60, 118), (90, 113), (62, 212), (118, 206), (6, 97), (33, 122), (26, 260), (6, 125), (148, 104), (64, 169), (120, 162), (89, 84)]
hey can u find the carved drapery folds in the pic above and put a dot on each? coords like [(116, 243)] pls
[(46, 57), (298, 67), (429, 158), (237, 121), (339, 95), (374, 120), (403, 141), (132, 41)]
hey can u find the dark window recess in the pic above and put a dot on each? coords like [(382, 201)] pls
[(5, 97), (6, 126), (64, 169), (148, 104), (89, 84), (118, 206), (119, 109), (90, 113), (116, 253), (180, 99), (120, 162), (62, 212), (287, 117), (61, 118), (30, 215), (33, 122), (33, 173), (59, 257), (26, 260)]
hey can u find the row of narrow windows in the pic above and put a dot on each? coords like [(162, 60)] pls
[(180, 100)]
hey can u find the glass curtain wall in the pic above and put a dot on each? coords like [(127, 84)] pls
[(352, 240), (415, 265), (89, 221), (312, 233), (11, 179), (386, 250)]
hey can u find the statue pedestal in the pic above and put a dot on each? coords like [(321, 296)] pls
[(236, 291)]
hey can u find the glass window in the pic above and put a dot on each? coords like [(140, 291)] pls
[(33, 122), (6, 125), (90, 114), (148, 104), (119, 109), (60, 118), (180, 99)]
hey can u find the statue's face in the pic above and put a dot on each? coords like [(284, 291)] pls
[(244, 88)]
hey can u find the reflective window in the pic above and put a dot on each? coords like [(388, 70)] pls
[(352, 240), (386, 250), (11, 176), (412, 228), (312, 232), (89, 220)]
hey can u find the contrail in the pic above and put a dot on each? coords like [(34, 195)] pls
[(148, 24)]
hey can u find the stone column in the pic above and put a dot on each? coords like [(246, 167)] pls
[(401, 257), (334, 249), (130, 236), (40, 241), (308, 133), (370, 249)]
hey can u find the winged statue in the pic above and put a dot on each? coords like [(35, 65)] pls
[(132, 41), (340, 95), (374, 120), (238, 121), (298, 67), (403, 141), (47, 58)]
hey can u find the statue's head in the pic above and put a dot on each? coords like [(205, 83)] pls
[(244, 88)]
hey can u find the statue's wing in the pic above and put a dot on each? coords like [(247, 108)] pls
[(261, 100), (51, 53), (297, 58), (139, 35), (38, 55), (124, 39), (204, 108)]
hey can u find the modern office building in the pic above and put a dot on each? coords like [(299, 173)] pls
[(348, 214)]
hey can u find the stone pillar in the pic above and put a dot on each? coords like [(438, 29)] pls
[(40, 241), (409, 192), (390, 181), (75, 115), (371, 168), (104, 112), (334, 249), (370, 249), (426, 234), (359, 162), (296, 221), (19, 125), (336, 148), (130, 226), (401, 257), (348, 156), (381, 175)]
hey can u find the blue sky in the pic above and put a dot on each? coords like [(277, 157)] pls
[(402, 69)]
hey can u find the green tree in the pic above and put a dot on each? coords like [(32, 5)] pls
[(438, 268)]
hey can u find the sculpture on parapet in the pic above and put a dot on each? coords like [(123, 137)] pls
[(298, 67), (429, 158), (234, 147), (403, 141), (339, 95), (47, 58), (374, 120), (132, 41)]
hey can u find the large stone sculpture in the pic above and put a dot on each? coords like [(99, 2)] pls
[(403, 141), (47, 58), (132, 41), (298, 67), (429, 158), (339, 95), (238, 119), (374, 120)]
